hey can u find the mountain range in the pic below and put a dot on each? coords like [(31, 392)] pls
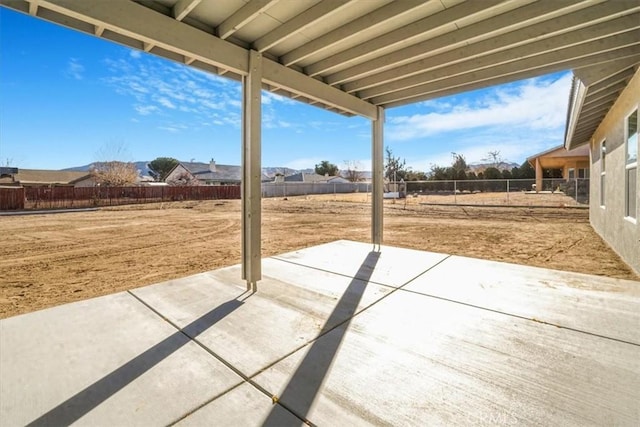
[(143, 169)]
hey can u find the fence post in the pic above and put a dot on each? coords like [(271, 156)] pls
[(576, 182), (455, 192), (507, 191)]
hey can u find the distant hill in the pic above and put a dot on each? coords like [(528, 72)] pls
[(269, 171), (480, 167), (141, 166)]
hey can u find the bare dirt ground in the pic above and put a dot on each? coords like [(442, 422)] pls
[(53, 259)]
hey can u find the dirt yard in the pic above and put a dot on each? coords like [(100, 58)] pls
[(52, 259)]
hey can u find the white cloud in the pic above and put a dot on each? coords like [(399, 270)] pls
[(145, 110), (166, 103), (268, 97), (75, 69), (534, 105), (135, 54), (157, 87)]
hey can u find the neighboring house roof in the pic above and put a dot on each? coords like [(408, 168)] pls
[(221, 173), (45, 177), (557, 155), (338, 180), (307, 177)]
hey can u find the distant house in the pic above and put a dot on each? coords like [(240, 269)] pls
[(313, 178), (573, 163), (196, 173), (41, 178)]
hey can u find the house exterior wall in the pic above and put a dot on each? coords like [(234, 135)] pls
[(180, 174), (622, 234)]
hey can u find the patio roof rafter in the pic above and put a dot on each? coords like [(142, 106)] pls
[(377, 17), (242, 17), (503, 27), (520, 69), (567, 46), (555, 34)]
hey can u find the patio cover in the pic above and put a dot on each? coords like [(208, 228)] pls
[(357, 57)]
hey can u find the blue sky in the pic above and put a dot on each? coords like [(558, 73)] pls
[(68, 99)]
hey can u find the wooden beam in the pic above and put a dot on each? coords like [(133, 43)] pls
[(141, 23), (99, 29), (251, 172), (574, 44), (322, 10), (588, 53), (486, 78), (183, 8), (243, 16), (550, 35), (293, 81), (370, 20), (417, 29), (377, 167), (595, 73), (425, 48)]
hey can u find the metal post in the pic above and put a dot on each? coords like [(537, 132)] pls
[(251, 196), (507, 191), (455, 192), (377, 195)]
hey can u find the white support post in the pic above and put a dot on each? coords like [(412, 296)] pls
[(251, 172), (455, 192), (377, 193)]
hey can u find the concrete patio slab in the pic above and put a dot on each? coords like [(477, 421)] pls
[(395, 266), (293, 305), (560, 298), (439, 340), (242, 406), (414, 360), (102, 362)]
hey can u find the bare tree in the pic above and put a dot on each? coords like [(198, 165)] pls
[(394, 168), (114, 173), (184, 178), (352, 171), (494, 157), (113, 167)]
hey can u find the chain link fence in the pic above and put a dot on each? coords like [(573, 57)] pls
[(509, 192)]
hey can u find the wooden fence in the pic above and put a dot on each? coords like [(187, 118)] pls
[(84, 197), (11, 198)]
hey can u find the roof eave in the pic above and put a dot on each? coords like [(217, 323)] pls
[(576, 100)]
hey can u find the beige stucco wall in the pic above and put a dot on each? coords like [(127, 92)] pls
[(622, 234)]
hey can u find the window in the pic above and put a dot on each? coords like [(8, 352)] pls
[(603, 153), (583, 173), (631, 166), (572, 173)]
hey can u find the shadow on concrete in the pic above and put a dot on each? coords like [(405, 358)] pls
[(83, 402), (305, 383)]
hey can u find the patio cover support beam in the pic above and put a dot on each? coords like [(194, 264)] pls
[(377, 193), (538, 176), (124, 17), (251, 172)]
